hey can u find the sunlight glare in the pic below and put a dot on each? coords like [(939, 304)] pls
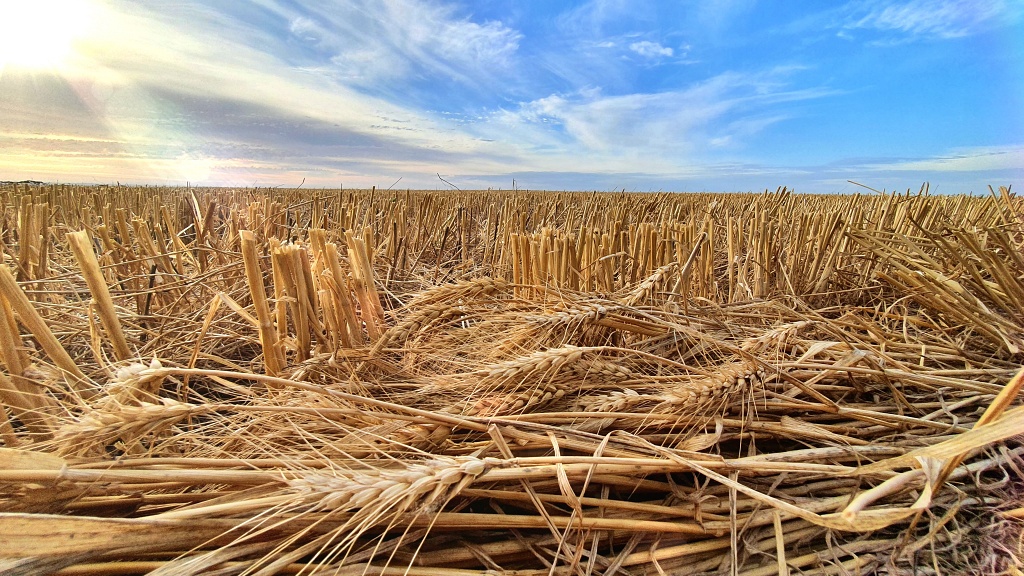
[(41, 34)]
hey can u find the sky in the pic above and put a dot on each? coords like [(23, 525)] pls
[(708, 95)]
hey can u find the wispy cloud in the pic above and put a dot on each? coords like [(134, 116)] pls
[(365, 42), (900, 22), (670, 128), (649, 49), (941, 19), (220, 92), (974, 159), (600, 18)]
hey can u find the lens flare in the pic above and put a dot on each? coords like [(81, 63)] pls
[(41, 34)]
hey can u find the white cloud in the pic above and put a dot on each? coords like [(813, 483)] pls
[(369, 41), (930, 18), (650, 49), (591, 19), (663, 119), (484, 44), (361, 43), (367, 65), (235, 98), (982, 158), (657, 132), (306, 30)]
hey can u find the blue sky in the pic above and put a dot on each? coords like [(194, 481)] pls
[(719, 95)]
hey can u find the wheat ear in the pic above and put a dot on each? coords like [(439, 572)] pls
[(412, 488), (719, 389), (94, 430), (463, 290)]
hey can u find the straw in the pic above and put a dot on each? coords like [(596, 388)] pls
[(510, 382)]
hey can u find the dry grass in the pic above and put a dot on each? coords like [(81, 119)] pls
[(377, 382)]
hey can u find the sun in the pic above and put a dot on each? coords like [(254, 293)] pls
[(41, 34)]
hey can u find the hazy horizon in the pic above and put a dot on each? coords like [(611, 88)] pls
[(728, 95)]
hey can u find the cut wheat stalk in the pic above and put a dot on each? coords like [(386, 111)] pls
[(90, 267), (272, 356), (28, 315)]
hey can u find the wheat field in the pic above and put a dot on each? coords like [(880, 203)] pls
[(254, 381)]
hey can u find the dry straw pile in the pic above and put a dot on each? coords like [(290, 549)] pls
[(455, 384)]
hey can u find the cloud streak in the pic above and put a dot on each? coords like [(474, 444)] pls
[(977, 159), (235, 94), (662, 129), (940, 19), (650, 49), (368, 43)]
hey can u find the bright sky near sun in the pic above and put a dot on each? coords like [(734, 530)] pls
[(723, 95)]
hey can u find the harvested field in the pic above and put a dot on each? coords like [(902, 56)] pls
[(222, 381)]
